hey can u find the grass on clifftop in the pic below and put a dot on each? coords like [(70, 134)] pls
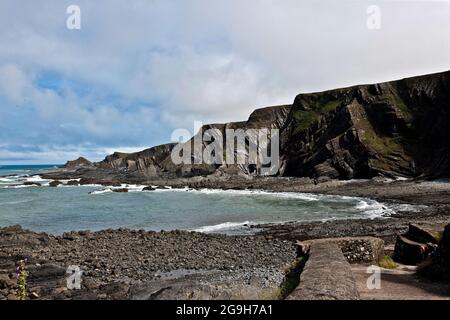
[(305, 118), (400, 104), (387, 263)]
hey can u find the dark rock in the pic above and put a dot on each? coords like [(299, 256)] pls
[(443, 253), (121, 190), (45, 272), (29, 183), (55, 183), (425, 233), (86, 181), (110, 183), (73, 183), (439, 266), (6, 282), (116, 290), (149, 188)]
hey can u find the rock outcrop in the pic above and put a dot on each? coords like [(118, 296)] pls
[(418, 243), (146, 162), (266, 118), (78, 163), (438, 266), (443, 253), (398, 128)]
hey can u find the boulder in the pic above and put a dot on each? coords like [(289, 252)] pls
[(410, 252), (6, 282), (29, 183), (110, 183), (55, 183), (425, 233), (86, 181), (439, 266), (46, 272), (443, 253), (149, 188), (121, 190), (73, 183)]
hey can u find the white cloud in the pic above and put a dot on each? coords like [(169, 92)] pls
[(13, 83), (137, 70)]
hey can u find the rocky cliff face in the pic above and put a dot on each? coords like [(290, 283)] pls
[(393, 128), (270, 117), (146, 162), (398, 128), (157, 162)]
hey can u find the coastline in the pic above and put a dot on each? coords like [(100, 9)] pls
[(138, 264)]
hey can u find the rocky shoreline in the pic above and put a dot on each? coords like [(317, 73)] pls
[(136, 264), (129, 264)]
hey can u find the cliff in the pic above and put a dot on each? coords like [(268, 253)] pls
[(157, 162), (398, 128), (393, 128)]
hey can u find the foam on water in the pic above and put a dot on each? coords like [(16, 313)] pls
[(224, 227), (101, 191)]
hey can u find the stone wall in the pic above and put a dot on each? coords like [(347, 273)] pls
[(327, 275), (355, 249)]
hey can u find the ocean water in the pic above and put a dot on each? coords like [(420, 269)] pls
[(67, 208)]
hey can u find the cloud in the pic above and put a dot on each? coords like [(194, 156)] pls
[(13, 83), (138, 70)]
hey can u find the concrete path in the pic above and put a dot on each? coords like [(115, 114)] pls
[(400, 284)]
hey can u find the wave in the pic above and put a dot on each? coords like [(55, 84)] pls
[(35, 178), (292, 195), (373, 209), (16, 202), (223, 226), (22, 179), (101, 191), (19, 186)]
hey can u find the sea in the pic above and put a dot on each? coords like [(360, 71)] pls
[(94, 207)]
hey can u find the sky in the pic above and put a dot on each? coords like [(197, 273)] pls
[(139, 69)]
